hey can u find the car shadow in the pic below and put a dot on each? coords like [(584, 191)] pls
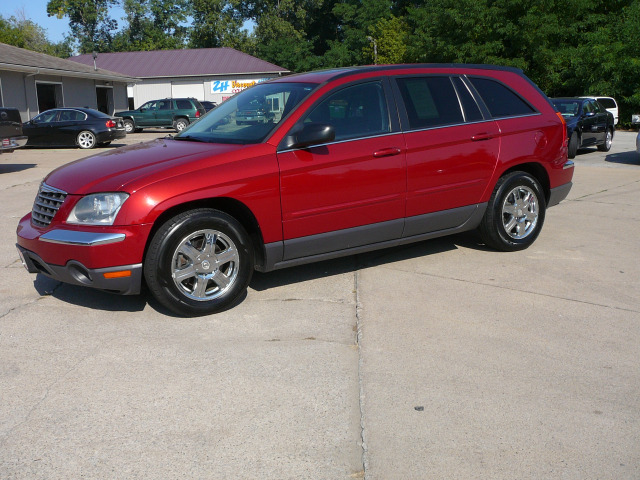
[(109, 302), (349, 264), (11, 168), (625, 158)]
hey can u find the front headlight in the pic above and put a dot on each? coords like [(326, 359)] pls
[(97, 209)]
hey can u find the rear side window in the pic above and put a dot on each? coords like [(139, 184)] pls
[(183, 104), (430, 101), (499, 99), (607, 102)]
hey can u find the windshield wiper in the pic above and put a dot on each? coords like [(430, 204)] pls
[(190, 138)]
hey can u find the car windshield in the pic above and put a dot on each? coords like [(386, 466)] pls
[(568, 108), (249, 116)]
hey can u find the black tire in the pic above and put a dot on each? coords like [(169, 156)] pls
[(515, 214), (211, 256), (129, 126), (573, 145), (606, 146), (180, 124)]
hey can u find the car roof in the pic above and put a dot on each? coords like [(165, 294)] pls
[(321, 76)]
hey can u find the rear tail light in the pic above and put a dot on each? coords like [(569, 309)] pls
[(110, 124), (197, 113), (565, 140)]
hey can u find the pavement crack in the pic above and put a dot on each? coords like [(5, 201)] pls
[(363, 440), (603, 191), (546, 295)]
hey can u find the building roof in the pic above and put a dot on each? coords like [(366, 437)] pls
[(20, 60), (181, 63)]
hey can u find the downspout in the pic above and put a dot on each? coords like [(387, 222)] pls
[(26, 97)]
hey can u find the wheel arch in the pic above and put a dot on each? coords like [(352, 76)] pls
[(538, 172), (230, 206)]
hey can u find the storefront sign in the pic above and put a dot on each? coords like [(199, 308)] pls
[(234, 86)]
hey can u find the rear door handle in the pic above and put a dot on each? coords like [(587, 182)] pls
[(387, 152), (478, 137)]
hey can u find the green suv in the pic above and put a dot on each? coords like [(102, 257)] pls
[(176, 113)]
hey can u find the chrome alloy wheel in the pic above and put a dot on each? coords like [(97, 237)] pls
[(205, 265), (86, 139), (520, 212), (608, 140)]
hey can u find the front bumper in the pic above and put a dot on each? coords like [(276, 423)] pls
[(124, 279), (103, 258)]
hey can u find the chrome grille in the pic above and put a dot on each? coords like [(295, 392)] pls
[(46, 205)]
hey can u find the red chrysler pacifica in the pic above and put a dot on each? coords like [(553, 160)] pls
[(338, 162)]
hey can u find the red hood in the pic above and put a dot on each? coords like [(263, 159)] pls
[(129, 168)]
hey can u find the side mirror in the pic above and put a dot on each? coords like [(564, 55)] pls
[(311, 134)]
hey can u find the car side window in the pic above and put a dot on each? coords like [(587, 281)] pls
[(183, 105), (587, 107), (47, 117), (598, 107), (500, 99), (164, 105), (430, 101), (356, 111)]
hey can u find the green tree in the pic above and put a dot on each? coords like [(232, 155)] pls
[(152, 25), (89, 22), (24, 33), (218, 23)]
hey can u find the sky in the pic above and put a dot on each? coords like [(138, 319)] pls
[(36, 11)]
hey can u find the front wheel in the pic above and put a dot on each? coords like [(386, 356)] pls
[(86, 139), (608, 140), (573, 145), (199, 262), (515, 213)]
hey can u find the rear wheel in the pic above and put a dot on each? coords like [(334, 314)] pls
[(180, 124), (199, 262), (515, 213), (608, 140), (86, 139)]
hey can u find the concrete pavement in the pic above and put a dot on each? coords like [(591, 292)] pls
[(436, 360)]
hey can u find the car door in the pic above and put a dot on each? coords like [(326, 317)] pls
[(589, 122), (350, 191), (145, 115), (601, 121), (40, 130), (452, 151), (68, 126), (163, 113)]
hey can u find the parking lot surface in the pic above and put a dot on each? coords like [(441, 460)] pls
[(438, 360)]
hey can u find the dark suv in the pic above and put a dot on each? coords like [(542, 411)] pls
[(176, 113)]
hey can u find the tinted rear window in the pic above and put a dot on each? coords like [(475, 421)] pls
[(430, 101), (183, 104), (499, 99), (607, 103)]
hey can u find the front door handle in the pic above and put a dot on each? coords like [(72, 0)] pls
[(387, 152), (478, 137)]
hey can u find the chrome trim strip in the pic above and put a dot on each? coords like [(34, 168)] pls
[(568, 164), (346, 140), (49, 188), (74, 237)]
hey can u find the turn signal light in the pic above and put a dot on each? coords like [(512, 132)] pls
[(110, 124), (120, 274)]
